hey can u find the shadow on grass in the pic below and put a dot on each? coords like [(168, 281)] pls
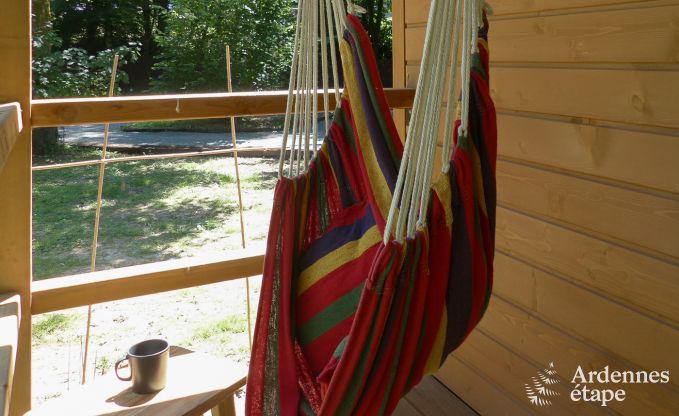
[(148, 208)]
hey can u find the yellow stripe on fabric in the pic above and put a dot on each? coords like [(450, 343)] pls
[(478, 180), (337, 258), (442, 190), (436, 356), (378, 184)]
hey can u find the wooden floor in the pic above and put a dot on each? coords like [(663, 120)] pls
[(432, 398), (429, 398)]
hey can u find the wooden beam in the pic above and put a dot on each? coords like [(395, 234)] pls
[(74, 111), (10, 127), (127, 282), (15, 188), (10, 316)]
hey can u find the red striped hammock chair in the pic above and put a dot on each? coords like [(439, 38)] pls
[(347, 324)]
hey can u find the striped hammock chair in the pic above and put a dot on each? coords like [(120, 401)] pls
[(374, 272)]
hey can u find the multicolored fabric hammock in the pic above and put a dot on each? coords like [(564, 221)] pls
[(347, 324)]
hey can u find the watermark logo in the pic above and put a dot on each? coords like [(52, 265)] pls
[(540, 390), (600, 386)]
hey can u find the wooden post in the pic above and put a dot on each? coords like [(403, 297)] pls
[(15, 188)]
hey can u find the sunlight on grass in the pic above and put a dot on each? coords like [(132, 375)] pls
[(233, 324), (51, 324), (151, 211)]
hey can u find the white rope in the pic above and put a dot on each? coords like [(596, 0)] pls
[(444, 57), (410, 203), (331, 17), (314, 83), (293, 75), (324, 67), (403, 187), (446, 154), (302, 153)]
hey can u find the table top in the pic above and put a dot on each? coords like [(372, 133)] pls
[(195, 384)]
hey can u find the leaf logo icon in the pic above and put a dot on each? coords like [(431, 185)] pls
[(539, 391)]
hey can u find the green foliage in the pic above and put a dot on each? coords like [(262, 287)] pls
[(72, 71), (192, 58), (378, 26), (98, 25)]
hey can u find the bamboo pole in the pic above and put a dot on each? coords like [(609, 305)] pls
[(97, 216), (154, 157), (240, 195)]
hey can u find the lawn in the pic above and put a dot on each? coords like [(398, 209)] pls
[(152, 211)]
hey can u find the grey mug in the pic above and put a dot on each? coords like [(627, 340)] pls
[(148, 366)]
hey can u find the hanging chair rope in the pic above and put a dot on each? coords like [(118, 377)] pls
[(411, 194), (318, 21)]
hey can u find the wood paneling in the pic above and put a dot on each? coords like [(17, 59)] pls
[(643, 158), (637, 219), (610, 326), (417, 11), (637, 97), (520, 330), (646, 35), (630, 277), (512, 372), (15, 188), (587, 254), (625, 95)]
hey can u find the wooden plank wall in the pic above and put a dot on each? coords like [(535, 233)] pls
[(587, 263)]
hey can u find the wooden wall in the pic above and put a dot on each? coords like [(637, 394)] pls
[(587, 260)]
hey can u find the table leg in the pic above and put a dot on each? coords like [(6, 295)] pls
[(225, 408)]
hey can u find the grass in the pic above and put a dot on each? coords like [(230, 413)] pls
[(151, 211), (51, 324), (231, 324)]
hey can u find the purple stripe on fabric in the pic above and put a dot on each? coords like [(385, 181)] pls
[(377, 136), (336, 238)]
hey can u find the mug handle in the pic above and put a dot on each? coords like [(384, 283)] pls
[(118, 375)]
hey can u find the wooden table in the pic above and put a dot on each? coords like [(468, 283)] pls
[(196, 383)]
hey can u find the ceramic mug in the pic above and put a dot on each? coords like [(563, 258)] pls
[(148, 365)]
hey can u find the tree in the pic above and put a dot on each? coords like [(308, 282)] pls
[(377, 22), (66, 72), (192, 57), (98, 25)]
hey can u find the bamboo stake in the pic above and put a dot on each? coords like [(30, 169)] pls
[(272, 150), (97, 216), (240, 195)]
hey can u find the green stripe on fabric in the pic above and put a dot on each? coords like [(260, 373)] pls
[(322, 195), (352, 392), (305, 409), (404, 323), (328, 318)]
